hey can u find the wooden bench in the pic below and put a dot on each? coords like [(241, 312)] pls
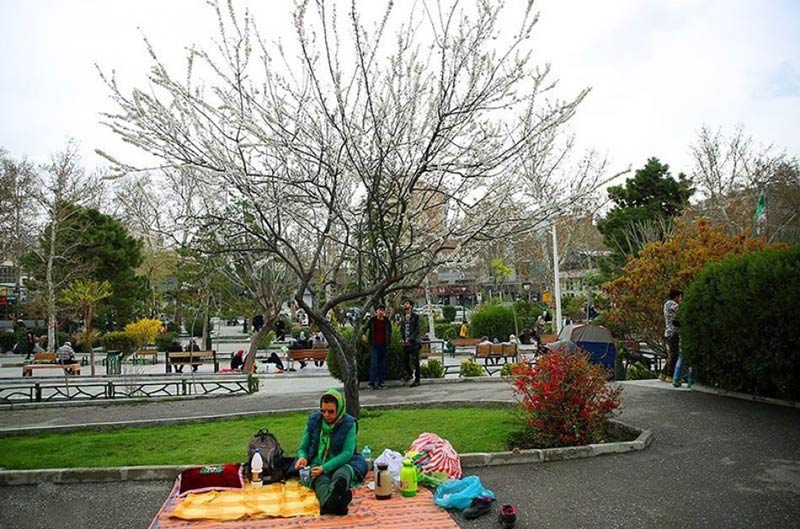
[(191, 358), (48, 361), (466, 342), (308, 355), (141, 355), (495, 352), (424, 350)]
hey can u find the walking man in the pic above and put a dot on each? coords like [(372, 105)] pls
[(671, 332), (379, 336), (409, 336)]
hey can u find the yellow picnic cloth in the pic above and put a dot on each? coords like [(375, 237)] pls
[(283, 500)]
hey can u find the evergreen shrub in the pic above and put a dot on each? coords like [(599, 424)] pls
[(119, 341), (449, 312), (433, 368), (163, 341), (740, 327), (492, 321)]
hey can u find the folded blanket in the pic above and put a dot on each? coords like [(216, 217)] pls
[(276, 500)]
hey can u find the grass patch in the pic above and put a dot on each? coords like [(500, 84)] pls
[(222, 441)]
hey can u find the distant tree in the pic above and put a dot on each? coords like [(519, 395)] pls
[(636, 297), (644, 208), (732, 171), (61, 188), (84, 296), (17, 213), (105, 247)]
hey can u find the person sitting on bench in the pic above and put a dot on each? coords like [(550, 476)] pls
[(193, 347), (175, 347), (300, 343), (65, 354)]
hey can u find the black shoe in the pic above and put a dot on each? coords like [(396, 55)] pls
[(508, 516), (381, 386), (339, 499), (370, 387), (414, 384), (480, 506), (408, 379)]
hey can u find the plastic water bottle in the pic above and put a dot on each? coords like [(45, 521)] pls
[(366, 453), (256, 468)]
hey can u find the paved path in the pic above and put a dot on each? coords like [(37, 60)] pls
[(715, 462)]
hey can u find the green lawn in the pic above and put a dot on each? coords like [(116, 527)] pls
[(224, 441)]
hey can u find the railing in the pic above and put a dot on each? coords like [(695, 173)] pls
[(121, 389)]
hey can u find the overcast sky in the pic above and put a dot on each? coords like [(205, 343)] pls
[(658, 69)]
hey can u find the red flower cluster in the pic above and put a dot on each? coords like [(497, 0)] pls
[(564, 399)]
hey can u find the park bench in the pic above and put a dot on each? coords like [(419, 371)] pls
[(495, 352), (48, 361), (466, 342), (424, 350), (308, 355), (142, 355), (191, 358)]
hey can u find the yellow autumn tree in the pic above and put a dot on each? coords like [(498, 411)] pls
[(636, 297), (144, 331)]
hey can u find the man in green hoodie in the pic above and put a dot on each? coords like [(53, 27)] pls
[(329, 447)]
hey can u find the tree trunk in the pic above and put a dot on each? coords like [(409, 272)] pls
[(255, 341), (87, 317), (51, 294), (348, 364), (431, 327)]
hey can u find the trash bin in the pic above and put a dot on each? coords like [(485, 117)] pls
[(114, 363)]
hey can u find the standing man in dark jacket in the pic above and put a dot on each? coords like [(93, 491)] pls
[(379, 336), (409, 336)]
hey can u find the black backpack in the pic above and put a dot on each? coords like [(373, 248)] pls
[(271, 453)]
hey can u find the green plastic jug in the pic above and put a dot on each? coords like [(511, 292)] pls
[(408, 479)]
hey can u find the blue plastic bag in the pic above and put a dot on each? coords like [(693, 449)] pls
[(458, 493)]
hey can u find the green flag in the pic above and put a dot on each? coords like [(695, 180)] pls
[(760, 216)]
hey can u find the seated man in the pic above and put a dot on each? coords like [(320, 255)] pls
[(175, 347), (65, 354), (300, 343), (329, 447)]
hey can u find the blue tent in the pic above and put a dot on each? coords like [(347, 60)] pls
[(594, 339)]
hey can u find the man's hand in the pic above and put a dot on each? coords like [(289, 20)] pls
[(316, 472), (300, 463)]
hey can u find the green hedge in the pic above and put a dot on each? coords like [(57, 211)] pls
[(163, 341), (494, 321), (527, 312), (449, 312), (119, 341), (394, 369), (740, 324)]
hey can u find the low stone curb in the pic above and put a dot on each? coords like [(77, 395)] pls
[(471, 460), (746, 396)]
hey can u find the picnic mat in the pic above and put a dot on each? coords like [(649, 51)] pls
[(365, 512)]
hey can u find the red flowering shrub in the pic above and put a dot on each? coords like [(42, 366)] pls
[(565, 400)]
